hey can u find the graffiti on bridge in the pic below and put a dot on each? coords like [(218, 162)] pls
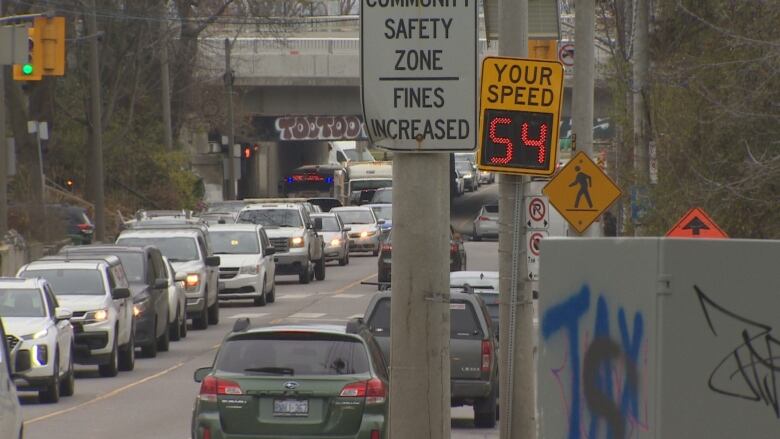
[(607, 377), (321, 128)]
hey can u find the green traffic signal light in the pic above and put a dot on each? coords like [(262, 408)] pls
[(27, 69)]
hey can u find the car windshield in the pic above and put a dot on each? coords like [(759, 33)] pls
[(176, 249), (463, 166), (293, 353), (491, 208), (272, 217), (383, 196), (134, 266), (23, 302), (226, 206), (235, 242), (359, 185), (355, 216), (463, 321), (383, 212), (354, 155), (329, 224), (73, 281)]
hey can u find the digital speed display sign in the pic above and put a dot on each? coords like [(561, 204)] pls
[(520, 112)]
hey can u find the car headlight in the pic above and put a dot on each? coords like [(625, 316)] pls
[(140, 307), (40, 334), (98, 315), (467, 175), (296, 241), (366, 234), (335, 243), (192, 281), (249, 269)]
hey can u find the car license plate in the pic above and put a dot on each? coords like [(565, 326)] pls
[(291, 407)]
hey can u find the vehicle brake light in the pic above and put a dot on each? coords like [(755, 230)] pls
[(373, 390), (211, 387), (206, 433), (84, 226), (375, 434), (487, 351), (354, 390), (484, 218), (453, 248), (387, 247)]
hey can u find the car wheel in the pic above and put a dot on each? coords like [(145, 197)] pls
[(272, 294), (111, 369), (150, 350), (164, 341), (485, 410), (319, 268), (183, 329), (202, 321), (68, 385), (261, 301), (127, 355), (304, 276), (51, 393), (475, 236), (375, 252), (214, 313), (345, 260), (174, 329)]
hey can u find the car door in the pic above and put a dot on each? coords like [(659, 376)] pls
[(315, 239), (10, 413), (64, 328), (268, 260), (212, 273), (118, 279), (160, 295)]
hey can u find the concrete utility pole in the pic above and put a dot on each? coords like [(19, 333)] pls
[(639, 90), (420, 311), (231, 193), (516, 368), (98, 180), (3, 152), (165, 84)]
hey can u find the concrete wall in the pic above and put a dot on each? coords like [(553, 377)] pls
[(658, 338), (300, 100)]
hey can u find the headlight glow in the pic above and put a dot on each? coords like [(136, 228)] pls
[(96, 316), (192, 281), (140, 307), (296, 242), (363, 234), (335, 243)]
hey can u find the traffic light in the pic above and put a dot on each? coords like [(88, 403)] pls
[(32, 70), (247, 152), (69, 184)]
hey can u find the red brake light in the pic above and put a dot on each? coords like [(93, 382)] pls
[(387, 247), (376, 434), (84, 226), (453, 248), (211, 387), (206, 433), (484, 218), (373, 390), (487, 351), (354, 390)]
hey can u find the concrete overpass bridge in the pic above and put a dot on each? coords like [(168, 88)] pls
[(299, 90)]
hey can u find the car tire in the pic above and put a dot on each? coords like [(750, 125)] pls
[(262, 300), (475, 236), (304, 276), (272, 294), (319, 269), (174, 329), (164, 341), (51, 393), (375, 252), (150, 350), (183, 329), (127, 355), (485, 410), (214, 313), (345, 260), (111, 369), (202, 321), (68, 384)]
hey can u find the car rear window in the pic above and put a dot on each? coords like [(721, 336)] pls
[(74, 281), (491, 208), (463, 320), (293, 353)]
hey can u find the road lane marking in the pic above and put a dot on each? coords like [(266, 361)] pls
[(306, 315), (249, 315), (348, 296), (339, 291), (293, 296), (108, 395)]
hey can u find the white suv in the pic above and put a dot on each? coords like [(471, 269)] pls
[(10, 413), (247, 267), (97, 291), (40, 337)]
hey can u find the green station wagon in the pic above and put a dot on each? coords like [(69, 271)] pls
[(291, 382)]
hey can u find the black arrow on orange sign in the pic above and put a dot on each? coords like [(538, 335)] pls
[(695, 226)]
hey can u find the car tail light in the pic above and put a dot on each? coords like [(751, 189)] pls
[(211, 387), (84, 227), (487, 351), (376, 434), (387, 247), (484, 218), (373, 390), (453, 248), (206, 433)]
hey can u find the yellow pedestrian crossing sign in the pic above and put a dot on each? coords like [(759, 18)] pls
[(581, 192)]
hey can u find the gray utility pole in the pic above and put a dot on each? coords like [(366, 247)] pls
[(420, 309), (639, 90), (98, 180), (165, 84), (3, 154), (231, 193), (516, 308)]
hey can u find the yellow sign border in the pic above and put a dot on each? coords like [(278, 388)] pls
[(557, 121)]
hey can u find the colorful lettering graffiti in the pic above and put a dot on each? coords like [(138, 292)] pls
[(321, 128), (608, 375)]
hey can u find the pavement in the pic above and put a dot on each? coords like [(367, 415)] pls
[(155, 400)]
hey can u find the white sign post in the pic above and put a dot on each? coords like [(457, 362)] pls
[(419, 73)]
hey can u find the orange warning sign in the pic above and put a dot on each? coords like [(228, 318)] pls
[(696, 224)]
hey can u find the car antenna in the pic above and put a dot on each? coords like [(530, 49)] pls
[(241, 325)]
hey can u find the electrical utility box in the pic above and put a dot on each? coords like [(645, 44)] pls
[(659, 338)]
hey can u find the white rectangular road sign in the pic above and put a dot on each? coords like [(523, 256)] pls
[(419, 73)]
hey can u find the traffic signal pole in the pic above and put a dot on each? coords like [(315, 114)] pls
[(3, 153), (231, 192), (516, 367), (98, 179)]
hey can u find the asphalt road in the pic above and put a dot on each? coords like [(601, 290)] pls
[(155, 400)]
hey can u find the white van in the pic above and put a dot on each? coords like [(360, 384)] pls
[(344, 151), (10, 413)]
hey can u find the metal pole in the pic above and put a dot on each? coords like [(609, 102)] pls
[(231, 128), (3, 152), (641, 124), (165, 84), (97, 129), (516, 369), (420, 316)]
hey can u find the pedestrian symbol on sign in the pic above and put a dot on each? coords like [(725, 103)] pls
[(585, 183)]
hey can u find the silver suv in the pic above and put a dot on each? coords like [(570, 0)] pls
[(299, 248)]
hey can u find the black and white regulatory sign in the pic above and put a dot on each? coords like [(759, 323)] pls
[(419, 73)]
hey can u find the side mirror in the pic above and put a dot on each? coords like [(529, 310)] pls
[(347, 229), (201, 373), (61, 314), (120, 293), (180, 277), (380, 222), (270, 251), (160, 284), (212, 261)]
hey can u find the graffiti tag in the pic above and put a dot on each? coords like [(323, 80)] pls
[(321, 128)]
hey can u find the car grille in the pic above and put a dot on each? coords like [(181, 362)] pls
[(354, 235), (280, 244), (228, 272), (12, 341), (79, 314)]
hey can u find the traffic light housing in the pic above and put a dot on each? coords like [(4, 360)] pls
[(32, 70)]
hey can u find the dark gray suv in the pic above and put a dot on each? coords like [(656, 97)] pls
[(473, 359)]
